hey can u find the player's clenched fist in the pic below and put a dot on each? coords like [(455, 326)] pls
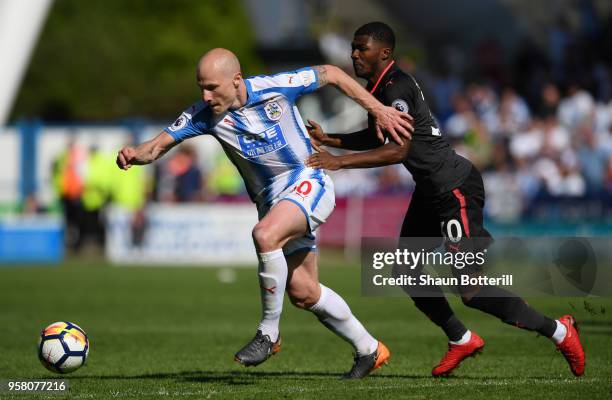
[(125, 157)]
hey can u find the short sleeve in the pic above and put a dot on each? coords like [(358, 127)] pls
[(292, 84), (190, 123)]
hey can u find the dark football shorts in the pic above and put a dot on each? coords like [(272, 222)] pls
[(455, 216), (454, 219)]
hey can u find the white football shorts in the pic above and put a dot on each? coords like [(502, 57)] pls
[(316, 198)]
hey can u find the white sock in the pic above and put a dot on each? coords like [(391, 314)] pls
[(272, 282), (560, 332), (464, 339), (336, 315)]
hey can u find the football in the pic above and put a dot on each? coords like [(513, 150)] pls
[(63, 347)]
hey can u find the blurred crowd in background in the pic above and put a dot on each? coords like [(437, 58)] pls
[(538, 128), (535, 116), (538, 124)]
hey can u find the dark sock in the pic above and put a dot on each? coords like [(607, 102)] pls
[(512, 310), (431, 301), (439, 312)]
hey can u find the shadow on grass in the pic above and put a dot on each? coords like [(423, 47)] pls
[(254, 377), (243, 377)]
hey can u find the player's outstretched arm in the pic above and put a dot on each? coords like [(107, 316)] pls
[(388, 119), (390, 153), (146, 152), (359, 141)]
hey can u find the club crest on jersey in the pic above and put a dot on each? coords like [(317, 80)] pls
[(400, 105), (273, 110), (179, 123)]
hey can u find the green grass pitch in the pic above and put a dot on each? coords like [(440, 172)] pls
[(172, 333)]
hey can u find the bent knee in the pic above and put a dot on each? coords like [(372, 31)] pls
[(264, 237), (304, 296)]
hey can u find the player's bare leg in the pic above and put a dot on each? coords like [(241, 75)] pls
[(283, 222), (306, 292)]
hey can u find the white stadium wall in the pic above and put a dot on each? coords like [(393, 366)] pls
[(189, 235)]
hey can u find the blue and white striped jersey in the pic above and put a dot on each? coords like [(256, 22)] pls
[(266, 138)]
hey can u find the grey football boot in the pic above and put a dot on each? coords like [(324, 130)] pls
[(258, 350), (364, 365)]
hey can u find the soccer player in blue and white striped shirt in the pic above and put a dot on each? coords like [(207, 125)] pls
[(260, 129)]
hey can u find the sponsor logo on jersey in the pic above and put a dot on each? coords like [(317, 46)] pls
[(179, 123), (400, 105), (268, 141), (273, 110)]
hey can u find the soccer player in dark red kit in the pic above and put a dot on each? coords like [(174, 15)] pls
[(448, 200)]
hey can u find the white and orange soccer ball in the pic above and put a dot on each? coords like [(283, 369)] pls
[(63, 347)]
